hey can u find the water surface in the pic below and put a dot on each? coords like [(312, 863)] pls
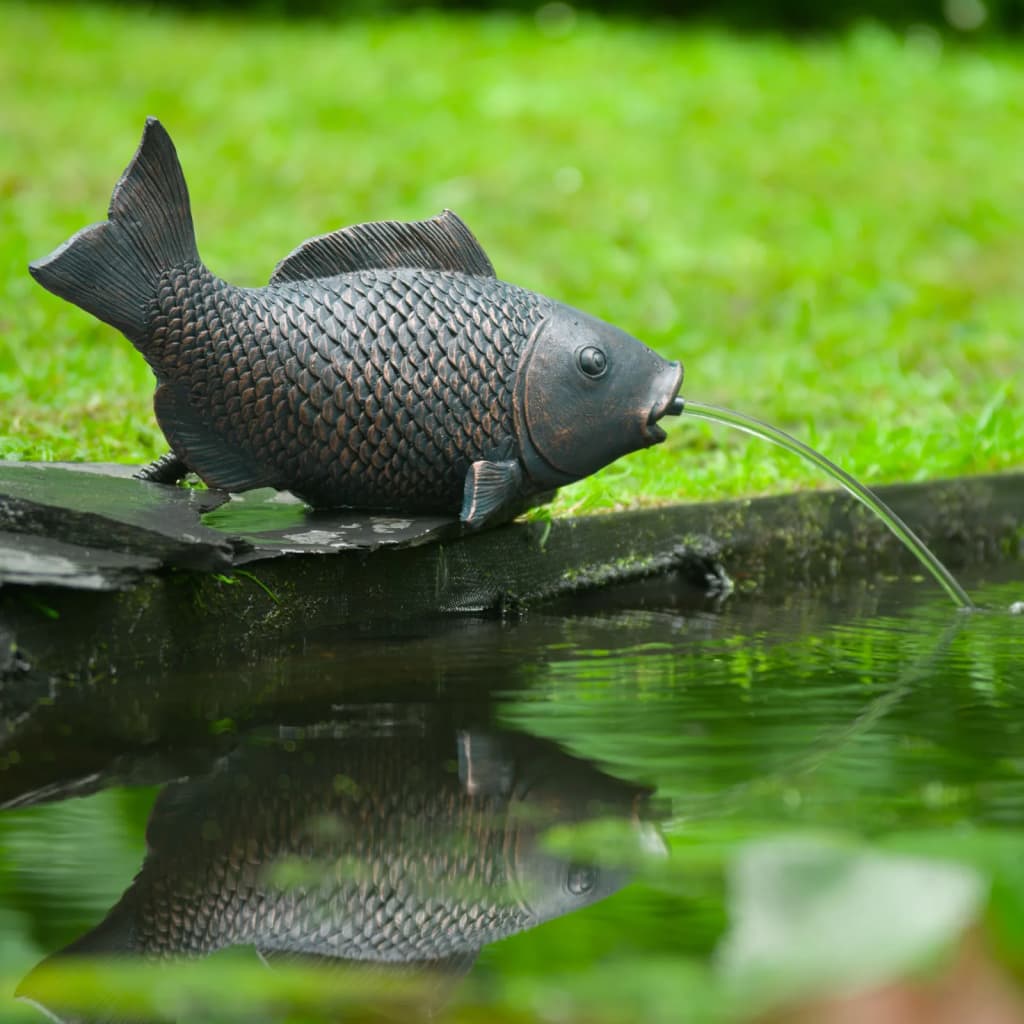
[(530, 819)]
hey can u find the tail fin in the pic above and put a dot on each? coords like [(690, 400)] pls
[(112, 269)]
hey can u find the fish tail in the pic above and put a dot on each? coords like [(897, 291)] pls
[(113, 269)]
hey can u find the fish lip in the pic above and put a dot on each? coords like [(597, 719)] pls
[(651, 430), (654, 433)]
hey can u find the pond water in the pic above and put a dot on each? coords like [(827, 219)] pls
[(633, 805)]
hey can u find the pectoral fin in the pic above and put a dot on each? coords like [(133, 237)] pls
[(492, 492)]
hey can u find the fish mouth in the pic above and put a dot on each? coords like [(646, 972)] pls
[(651, 430)]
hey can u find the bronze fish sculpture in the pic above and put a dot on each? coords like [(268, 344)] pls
[(384, 366), (402, 853)]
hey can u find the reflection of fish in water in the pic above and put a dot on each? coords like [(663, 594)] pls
[(383, 366), (401, 851)]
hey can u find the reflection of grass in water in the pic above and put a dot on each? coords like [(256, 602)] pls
[(784, 719), (774, 720), (254, 514), (857, 287)]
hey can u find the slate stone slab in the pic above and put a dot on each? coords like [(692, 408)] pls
[(43, 561), (95, 510), (275, 523), (94, 527)]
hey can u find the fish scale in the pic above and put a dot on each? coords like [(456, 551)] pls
[(469, 415), (400, 912)]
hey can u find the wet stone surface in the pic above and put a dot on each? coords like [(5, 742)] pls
[(821, 793), (94, 527)]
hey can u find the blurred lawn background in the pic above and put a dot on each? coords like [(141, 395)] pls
[(828, 229)]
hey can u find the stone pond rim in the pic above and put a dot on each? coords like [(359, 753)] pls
[(99, 571)]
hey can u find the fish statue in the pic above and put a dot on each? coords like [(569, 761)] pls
[(383, 367), (401, 853)]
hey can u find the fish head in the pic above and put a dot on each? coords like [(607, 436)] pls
[(550, 887), (587, 393), (566, 794)]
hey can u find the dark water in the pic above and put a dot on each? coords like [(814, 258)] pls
[(565, 817)]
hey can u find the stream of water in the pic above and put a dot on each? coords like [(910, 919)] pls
[(767, 432)]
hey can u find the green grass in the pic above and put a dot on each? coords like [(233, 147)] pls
[(829, 234)]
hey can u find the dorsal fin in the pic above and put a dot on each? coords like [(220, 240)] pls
[(441, 243)]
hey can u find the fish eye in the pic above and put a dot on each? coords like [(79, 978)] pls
[(592, 361), (580, 879)]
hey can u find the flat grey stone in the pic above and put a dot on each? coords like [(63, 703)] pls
[(42, 561), (104, 512), (95, 527), (276, 523)]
